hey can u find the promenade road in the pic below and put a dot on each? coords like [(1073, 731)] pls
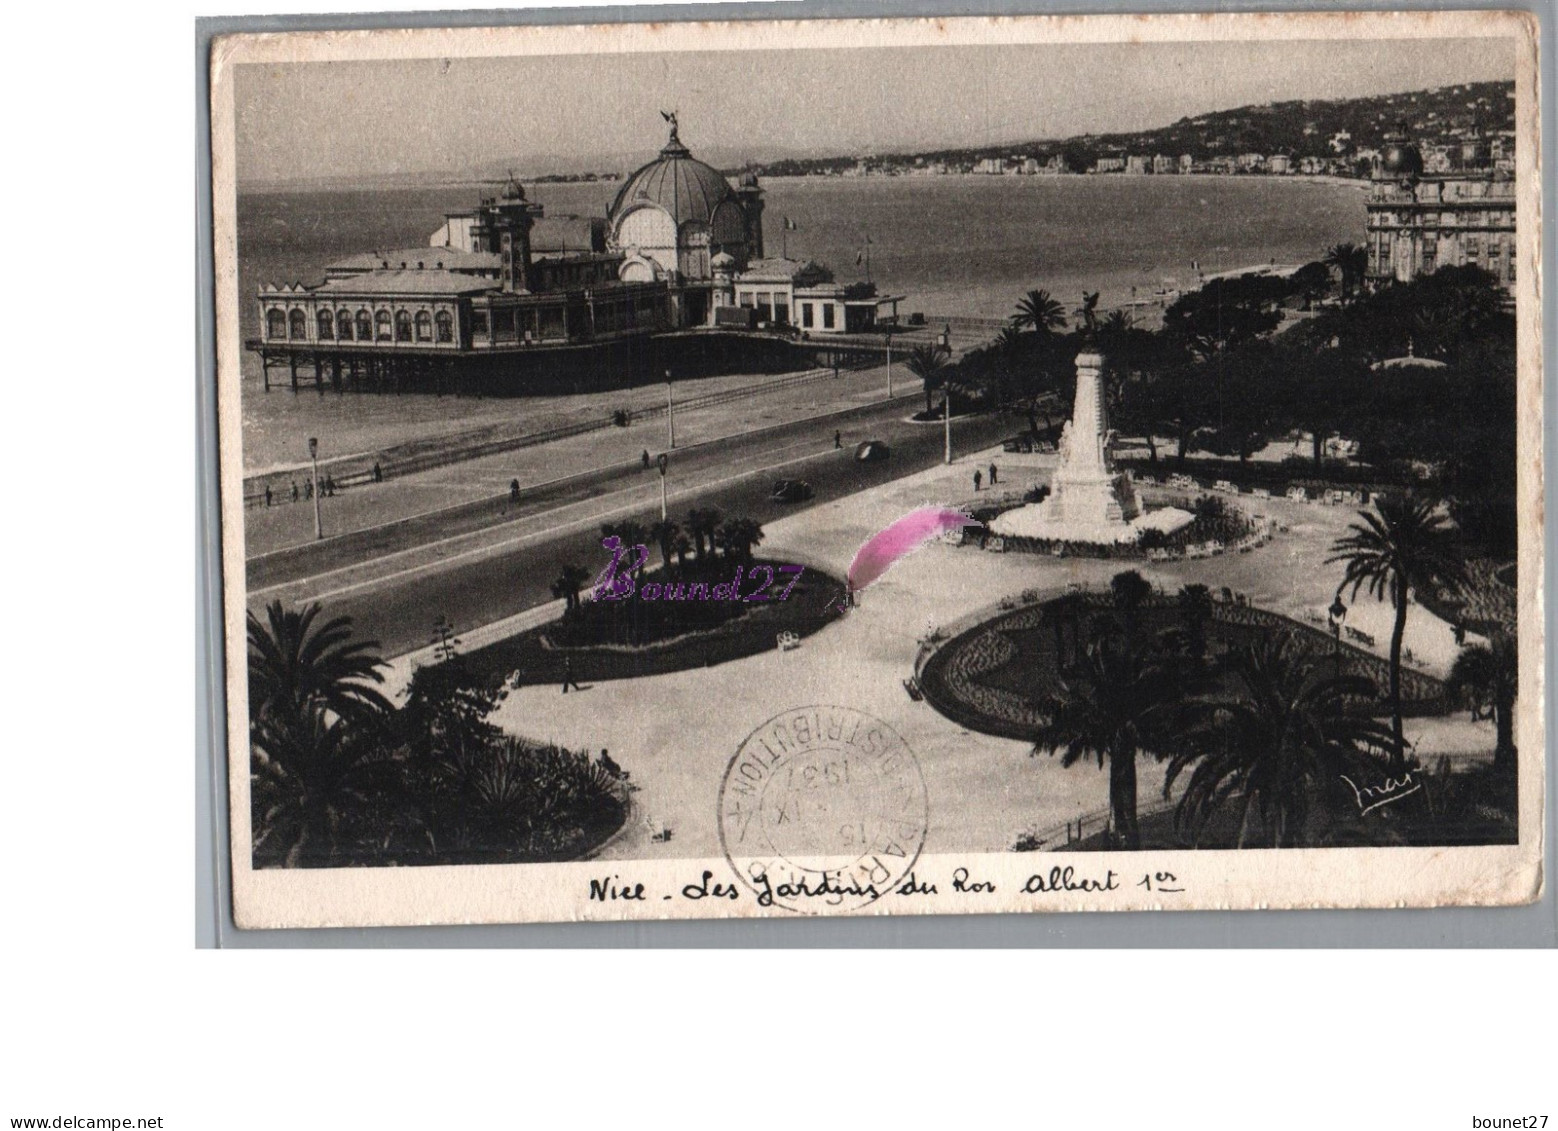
[(395, 587)]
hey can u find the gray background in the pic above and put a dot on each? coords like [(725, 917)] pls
[(1532, 926)]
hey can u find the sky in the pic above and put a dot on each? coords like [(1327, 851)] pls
[(539, 113)]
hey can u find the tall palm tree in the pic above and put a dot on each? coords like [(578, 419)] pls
[(665, 532), (1491, 674), (1040, 311), (701, 522), (317, 722), (1195, 610), (296, 663), (930, 366), (1130, 591), (1404, 545), (1350, 261), (1112, 704), (1270, 746)]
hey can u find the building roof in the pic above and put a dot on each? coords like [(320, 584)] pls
[(410, 282), (419, 258), (777, 270), (677, 182)]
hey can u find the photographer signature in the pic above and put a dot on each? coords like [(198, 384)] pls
[(1371, 797)]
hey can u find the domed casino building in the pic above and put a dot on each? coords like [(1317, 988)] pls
[(674, 216)]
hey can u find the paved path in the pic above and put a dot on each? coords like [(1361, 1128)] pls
[(677, 732)]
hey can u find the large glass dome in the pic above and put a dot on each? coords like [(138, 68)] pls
[(679, 183)]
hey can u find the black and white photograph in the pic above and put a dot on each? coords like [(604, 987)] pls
[(880, 467)]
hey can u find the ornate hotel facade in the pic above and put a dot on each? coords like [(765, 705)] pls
[(1419, 222)]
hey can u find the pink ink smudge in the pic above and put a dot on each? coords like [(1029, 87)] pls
[(899, 540)]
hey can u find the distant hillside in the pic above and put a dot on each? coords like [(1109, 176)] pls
[(1308, 129), (1324, 128)]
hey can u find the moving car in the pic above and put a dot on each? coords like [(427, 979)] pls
[(791, 491), (870, 451)]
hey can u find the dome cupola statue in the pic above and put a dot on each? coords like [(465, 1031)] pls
[(678, 211)]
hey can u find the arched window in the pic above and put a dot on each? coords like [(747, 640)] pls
[(275, 323), (326, 326), (381, 322), (424, 326), (364, 327), (402, 326), (445, 326), (343, 319), (298, 324)]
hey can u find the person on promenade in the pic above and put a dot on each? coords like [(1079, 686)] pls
[(977, 479), (568, 675), (645, 459), (378, 473), (992, 475), (294, 490), (838, 438), (308, 488), (267, 494), (513, 490)]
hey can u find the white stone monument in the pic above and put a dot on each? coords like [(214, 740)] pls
[(1089, 501)]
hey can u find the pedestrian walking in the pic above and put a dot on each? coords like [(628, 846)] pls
[(308, 488), (568, 675), (378, 474), (330, 486), (977, 479), (992, 475), (645, 459), (267, 494), (838, 438), (513, 490), (294, 490)]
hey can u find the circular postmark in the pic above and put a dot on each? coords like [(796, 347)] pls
[(822, 809)]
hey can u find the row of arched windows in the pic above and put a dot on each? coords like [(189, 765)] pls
[(342, 325)]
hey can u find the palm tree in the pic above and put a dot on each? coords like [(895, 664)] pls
[(701, 523), (1491, 674), (1195, 610), (568, 584), (1402, 547), (928, 364), (1273, 744), (738, 536), (1112, 704), (315, 775), (665, 532), (1350, 261), (317, 722), (296, 664), (1130, 590), (1039, 311)]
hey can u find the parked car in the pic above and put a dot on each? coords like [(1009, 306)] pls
[(791, 491), (871, 451)]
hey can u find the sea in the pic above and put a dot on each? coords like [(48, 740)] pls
[(966, 246)]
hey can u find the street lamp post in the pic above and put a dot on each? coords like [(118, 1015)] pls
[(313, 459), (946, 417), (1338, 616), (664, 461), (889, 363), (670, 413)]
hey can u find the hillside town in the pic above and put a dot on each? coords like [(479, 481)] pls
[(1452, 126)]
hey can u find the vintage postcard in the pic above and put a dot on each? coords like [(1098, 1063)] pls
[(881, 467)]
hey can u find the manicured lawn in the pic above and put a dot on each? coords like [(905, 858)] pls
[(538, 656)]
